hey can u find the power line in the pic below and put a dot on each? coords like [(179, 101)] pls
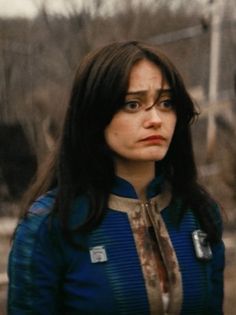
[(171, 37), (189, 32)]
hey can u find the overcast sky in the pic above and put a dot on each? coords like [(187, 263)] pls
[(29, 7)]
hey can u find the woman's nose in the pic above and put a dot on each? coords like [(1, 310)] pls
[(152, 118)]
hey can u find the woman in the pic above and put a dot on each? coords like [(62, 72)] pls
[(120, 224)]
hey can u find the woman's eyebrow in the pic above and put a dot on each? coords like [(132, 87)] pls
[(144, 92), (165, 91), (140, 93)]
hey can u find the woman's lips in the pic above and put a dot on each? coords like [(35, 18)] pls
[(153, 138)]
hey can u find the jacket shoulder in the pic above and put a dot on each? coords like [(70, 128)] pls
[(43, 205), (29, 228), (33, 253)]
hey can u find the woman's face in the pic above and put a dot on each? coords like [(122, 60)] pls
[(142, 129)]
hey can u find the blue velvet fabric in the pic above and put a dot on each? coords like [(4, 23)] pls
[(49, 276)]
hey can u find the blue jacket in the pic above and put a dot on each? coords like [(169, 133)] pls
[(48, 276)]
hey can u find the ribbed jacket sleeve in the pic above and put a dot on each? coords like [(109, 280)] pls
[(217, 267), (34, 269), (217, 279)]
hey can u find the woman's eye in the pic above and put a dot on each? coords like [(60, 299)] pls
[(167, 104), (132, 106)]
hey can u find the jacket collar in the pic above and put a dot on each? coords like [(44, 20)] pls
[(125, 189)]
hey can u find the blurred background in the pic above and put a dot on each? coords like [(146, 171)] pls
[(42, 42)]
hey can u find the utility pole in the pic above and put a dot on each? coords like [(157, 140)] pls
[(215, 45)]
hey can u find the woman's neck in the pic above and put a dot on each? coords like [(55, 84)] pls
[(139, 174)]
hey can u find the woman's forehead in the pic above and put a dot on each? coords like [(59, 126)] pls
[(144, 75)]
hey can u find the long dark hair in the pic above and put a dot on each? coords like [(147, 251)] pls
[(83, 164)]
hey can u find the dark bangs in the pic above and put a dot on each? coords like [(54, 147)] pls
[(106, 83), (184, 105), (185, 108)]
